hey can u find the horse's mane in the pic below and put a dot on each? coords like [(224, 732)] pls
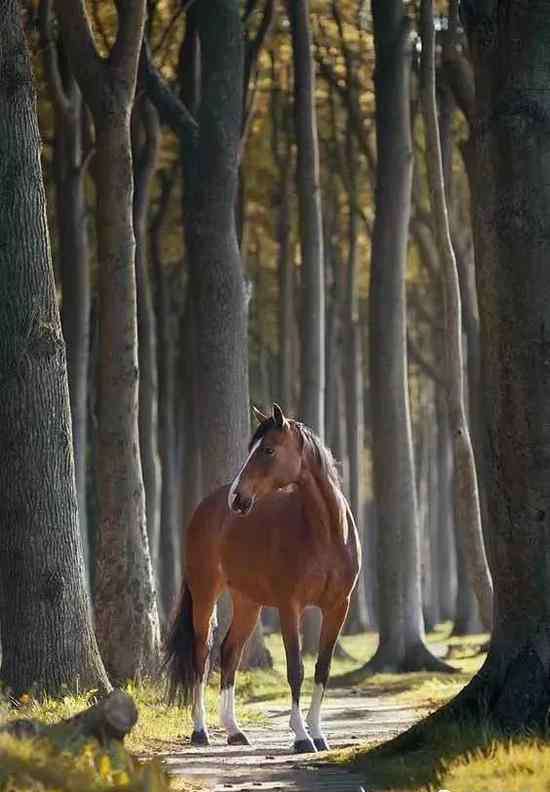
[(322, 458)]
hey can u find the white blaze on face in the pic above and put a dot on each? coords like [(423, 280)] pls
[(237, 479)]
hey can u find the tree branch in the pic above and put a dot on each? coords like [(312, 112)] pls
[(86, 63), (171, 110), (126, 50), (51, 62)]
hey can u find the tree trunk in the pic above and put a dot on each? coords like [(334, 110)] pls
[(169, 567), (466, 613), (445, 541), (146, 138), (72, 228), (282, 152), (355, 414), (401, 645), (466, 496), (215, 274), (512, 690), (310, 216), (127, 624), (311, 245), (46, 634)]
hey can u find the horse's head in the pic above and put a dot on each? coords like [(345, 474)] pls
[(274, 461)]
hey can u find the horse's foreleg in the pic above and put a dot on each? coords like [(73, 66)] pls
[(245, 616), (203, 607), (290, 626), (332, 624)]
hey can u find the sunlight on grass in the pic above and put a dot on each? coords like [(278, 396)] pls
[(163, 728), (516, 766)]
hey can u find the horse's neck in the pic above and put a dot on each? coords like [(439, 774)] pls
[(323, 505)]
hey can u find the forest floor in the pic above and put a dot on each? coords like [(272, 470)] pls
[(357, 718)]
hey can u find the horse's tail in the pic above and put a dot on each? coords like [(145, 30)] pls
[(179, 659)]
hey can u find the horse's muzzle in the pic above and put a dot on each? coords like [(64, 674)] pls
[(241, 505)]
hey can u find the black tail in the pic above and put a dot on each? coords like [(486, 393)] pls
[(179, 659)]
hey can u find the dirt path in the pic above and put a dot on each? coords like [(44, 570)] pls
[(270, 763)]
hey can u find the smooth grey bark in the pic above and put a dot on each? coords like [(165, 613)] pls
[(310, 220), (46, 634), (145, 145), (512, 240), (401, 627), (282, 153), (465, 492), (169, 559), (312, 407), (466, 612), (127, 623), (446, 557), (70, 165)]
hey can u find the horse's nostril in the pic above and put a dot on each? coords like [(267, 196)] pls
[(241, 504)]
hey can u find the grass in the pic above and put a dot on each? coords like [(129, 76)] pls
[(459, 758)]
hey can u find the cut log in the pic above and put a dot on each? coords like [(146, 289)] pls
[(110, 719)]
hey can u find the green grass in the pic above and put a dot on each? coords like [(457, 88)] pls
[(459, 758)]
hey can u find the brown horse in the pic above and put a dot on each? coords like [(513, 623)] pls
[(282, 534)]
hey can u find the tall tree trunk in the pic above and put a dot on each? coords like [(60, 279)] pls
[(355, 414), (127, 624), (466, 612), (216, 280), (512, 690), (401, 646), (445, 534), (310, 215), (167, 322), (311, 244), (466, 496), (46, 635), (282, 152), (73, 241), (215, 274), (146, 138)]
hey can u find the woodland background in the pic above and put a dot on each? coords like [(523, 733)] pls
[(305, 189)]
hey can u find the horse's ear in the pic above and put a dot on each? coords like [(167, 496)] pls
[(259, 415), (278, 416)]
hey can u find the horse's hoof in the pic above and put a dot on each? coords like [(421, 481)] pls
[(200, 738), (321, 744), (238, 739), (305, 746)]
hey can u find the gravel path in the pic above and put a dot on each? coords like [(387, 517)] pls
[(270, 764)]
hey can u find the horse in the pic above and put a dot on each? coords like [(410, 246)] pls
[(281, 534)]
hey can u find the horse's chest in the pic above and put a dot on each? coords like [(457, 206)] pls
[(274, 566)]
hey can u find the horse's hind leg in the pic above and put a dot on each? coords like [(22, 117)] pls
[(290, 626), (333, 620), (245, 616), (203, 606)]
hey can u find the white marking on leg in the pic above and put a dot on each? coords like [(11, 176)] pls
[(227, 711), (314, 715), (198, 710), (297, 723), (236, 480)]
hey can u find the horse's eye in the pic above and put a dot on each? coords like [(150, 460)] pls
[(267, 450)]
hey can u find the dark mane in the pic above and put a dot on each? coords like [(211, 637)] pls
[(319, 453)]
